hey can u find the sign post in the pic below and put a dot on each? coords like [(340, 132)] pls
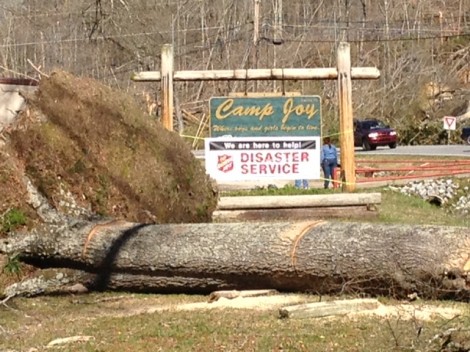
[(343, 73), (450, 124), (348, 164)]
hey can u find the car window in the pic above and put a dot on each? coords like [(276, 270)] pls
[(374, 124)]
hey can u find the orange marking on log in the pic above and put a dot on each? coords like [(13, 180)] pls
[(98, 227), (300, 236)]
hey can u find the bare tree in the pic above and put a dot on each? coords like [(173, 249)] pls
[(108, 40)]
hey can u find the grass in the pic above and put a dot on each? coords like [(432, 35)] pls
[(402, 209), (36, 322), (11, 220), (111, 319), (395, 207)]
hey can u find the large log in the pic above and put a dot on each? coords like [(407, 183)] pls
[(319, 257)]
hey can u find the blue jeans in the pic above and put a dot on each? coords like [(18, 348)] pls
[(328, 167), (301, 183)]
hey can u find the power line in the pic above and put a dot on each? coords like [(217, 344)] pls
[(430, 16), (382, 40), (115, 36), (405, 35)]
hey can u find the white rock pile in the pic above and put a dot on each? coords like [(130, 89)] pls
[(440, 192), (463, 203)]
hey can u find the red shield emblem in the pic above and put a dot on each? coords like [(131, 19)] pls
[(225, 163)]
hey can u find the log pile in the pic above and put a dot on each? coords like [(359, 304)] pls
[(317, 256)]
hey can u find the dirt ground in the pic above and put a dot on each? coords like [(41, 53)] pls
[(406, 311), (114, 321)]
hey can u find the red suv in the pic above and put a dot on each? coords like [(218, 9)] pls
[(371, 133)]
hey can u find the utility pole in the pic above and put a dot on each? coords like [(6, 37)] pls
[(277, 37), (256, 23), (256, 37)]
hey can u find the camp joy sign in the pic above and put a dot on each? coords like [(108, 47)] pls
[(265, 116)]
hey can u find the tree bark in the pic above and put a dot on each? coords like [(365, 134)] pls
[(318, 256)]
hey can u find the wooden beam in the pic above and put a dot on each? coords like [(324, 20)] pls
[(298, 201), (351, 212), (263, 94), (231, 294), (324, 309), (259, 74), (348, 173), (167, 86)]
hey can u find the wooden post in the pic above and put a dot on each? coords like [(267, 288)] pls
[(256, 23), (348, 173), (277, 38), (256, 38), (167, 86)]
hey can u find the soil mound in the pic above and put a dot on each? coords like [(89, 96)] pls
[(91, 150)]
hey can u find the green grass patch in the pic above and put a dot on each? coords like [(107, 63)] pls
[(11, 220), (399, 208)]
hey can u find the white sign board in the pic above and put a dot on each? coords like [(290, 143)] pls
[(450, 122), (258, 158)]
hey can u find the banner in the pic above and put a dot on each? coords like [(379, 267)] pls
[(258, 158), (265, 116)]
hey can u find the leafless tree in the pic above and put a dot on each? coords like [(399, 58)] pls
[(412, 42)]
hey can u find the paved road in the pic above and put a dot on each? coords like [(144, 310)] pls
[(460, 150)]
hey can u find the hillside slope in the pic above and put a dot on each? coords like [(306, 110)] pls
[(90, 151)]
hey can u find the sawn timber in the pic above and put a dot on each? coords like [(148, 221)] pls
[(298, 207)]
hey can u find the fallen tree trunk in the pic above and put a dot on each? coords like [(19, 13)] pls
[(318, 257)]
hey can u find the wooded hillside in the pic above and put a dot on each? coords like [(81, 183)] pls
[(422, 48)]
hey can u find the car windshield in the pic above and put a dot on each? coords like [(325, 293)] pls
[(373, 124)]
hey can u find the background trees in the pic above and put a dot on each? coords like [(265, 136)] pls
[(422, 48)]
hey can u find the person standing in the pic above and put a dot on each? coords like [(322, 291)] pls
[(329, 160), (301, 183)]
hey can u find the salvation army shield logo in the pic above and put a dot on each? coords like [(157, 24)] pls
[(225, 163)]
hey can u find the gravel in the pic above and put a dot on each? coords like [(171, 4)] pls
[(441, 192)]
